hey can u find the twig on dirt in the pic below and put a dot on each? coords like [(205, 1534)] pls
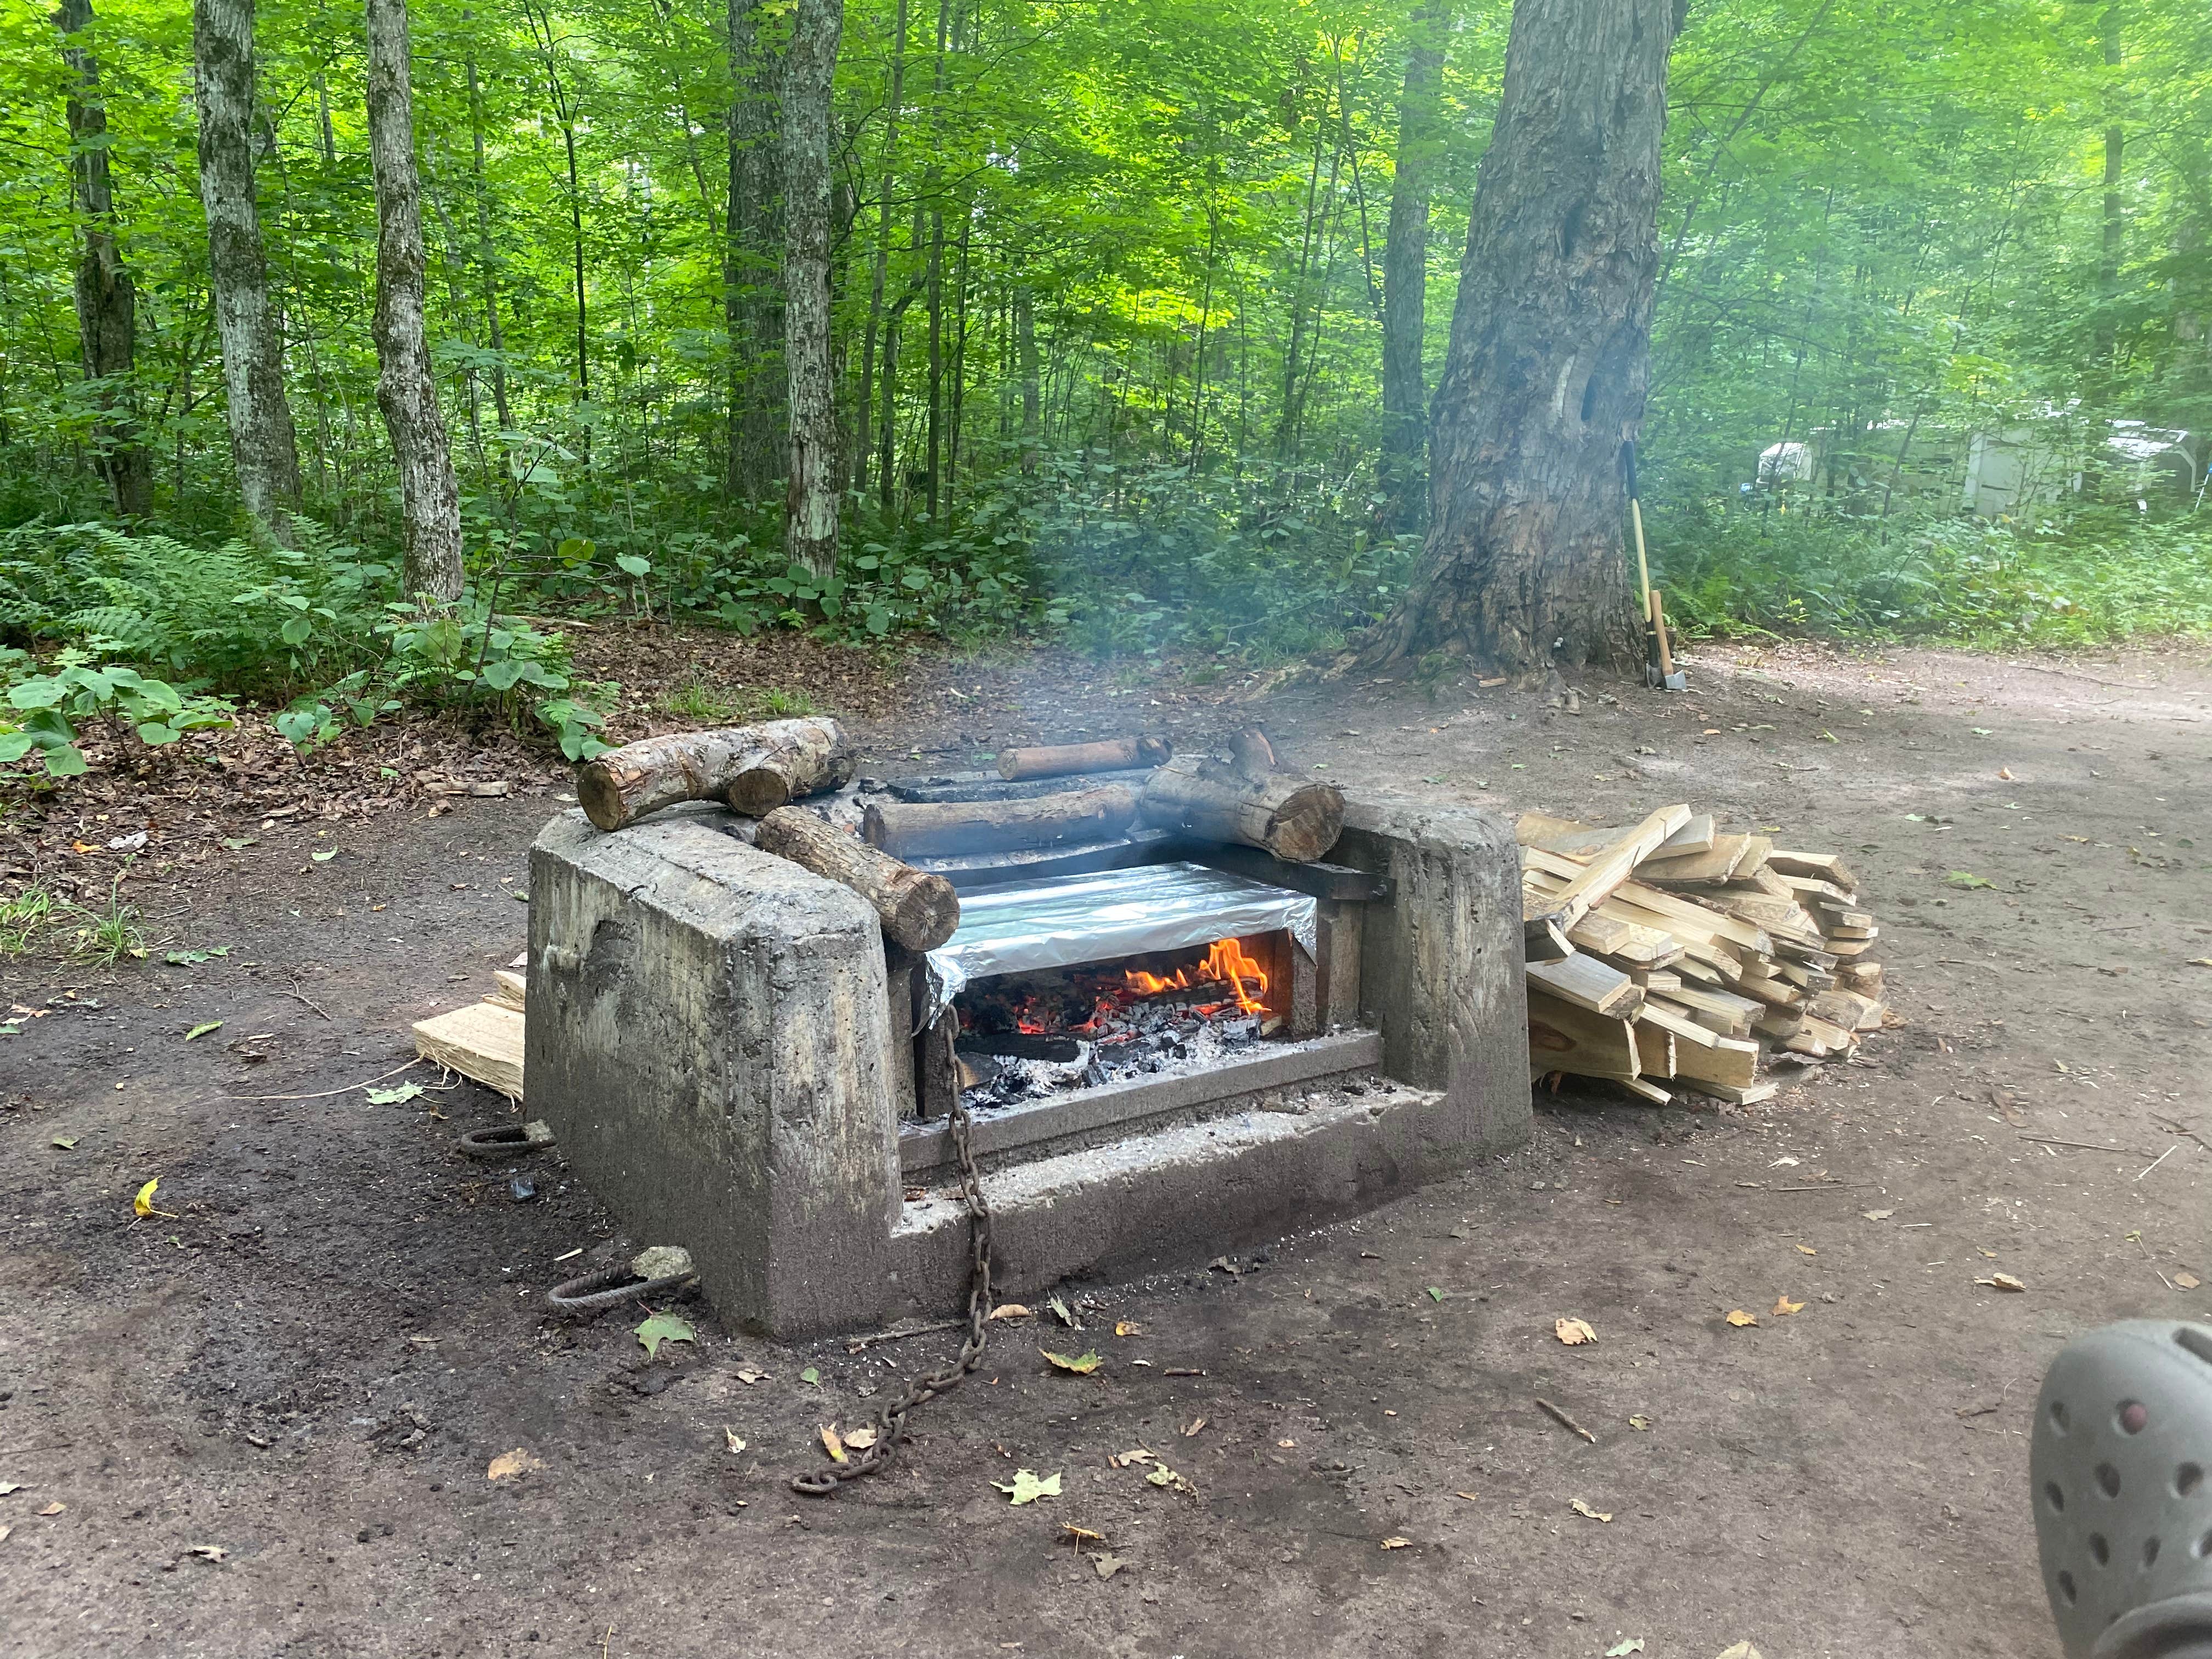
[(298, 995), (2077, 674), (861, 1343), (2173, 1127), (2136, 1239), (326, 1093), (2086, 1146), (1562, 1419), (2155, 1162), (1822, 1186)]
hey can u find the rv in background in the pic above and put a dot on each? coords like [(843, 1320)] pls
[(2023, 467)]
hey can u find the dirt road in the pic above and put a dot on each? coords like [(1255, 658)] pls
[(266, 1416)]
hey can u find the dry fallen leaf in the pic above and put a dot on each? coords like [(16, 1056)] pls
[(1397, 1543), (1193, 1427), (1285, 1444), (1139, 1456), (1639, 1421), (1010, 1310), (2001, 1282), (1108, 1565), (748, 1377), (1574, 1332), (1807, 1250), (53, 1509), (1627, 1645), (1026, 1488), (737, 1444), (1784, 1306), (507, 1465), (2188, 1281), (1737, 1316), (861, 1439), (5, 1531), (1877, 1215), (1081, 1365), (1739, 1650), (1164, 1476), (831, 1444), (1581, 1507), (1127, 1328), (210, 1551), (143, 1204)]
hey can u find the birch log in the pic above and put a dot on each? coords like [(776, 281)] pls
[(1062, 759), (952, 829), (1294, 818), (918, 910), (624, 784)]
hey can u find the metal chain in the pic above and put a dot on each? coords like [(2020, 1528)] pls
[(891, 1422)]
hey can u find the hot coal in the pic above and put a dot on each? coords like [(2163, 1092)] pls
[(1030, 1035)]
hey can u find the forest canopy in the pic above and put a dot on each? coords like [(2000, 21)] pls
[(1110, 293)]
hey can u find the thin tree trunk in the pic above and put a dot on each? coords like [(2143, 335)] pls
[(564, 114), (895, 105), (1025, 354), (755, 302), (262, 442), (2115, 212), (810, 515), (1405, 264), (486, 252), (936, 279), (406, 391), (106, 299), (1550, 352)]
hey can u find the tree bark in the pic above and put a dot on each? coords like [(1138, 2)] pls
[(494, 336), (953, 829), (262, 445), (1025, 354), (406, 390), (1296, 820), (1065, 759), (804, 757), (810, 513), (917, 911), (624, 784), (753, 267), (2115, 206), (1405, 266), (106, 299), (1550, 353)]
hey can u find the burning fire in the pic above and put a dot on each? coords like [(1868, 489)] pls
[(1225, 964)]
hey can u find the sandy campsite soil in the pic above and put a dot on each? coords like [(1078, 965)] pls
[(262, 1425)]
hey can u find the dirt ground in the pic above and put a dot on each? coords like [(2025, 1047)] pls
[(262, 1422)]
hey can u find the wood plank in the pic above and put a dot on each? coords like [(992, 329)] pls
[(1581, 842), (1564, 1038), (510, 990), (1810, 887), (1597, 880), (1547, 871), (1543, 939), (1709, 868), (1601, 934), (1847, 1009), (1821, 866), (1655, 1050), (1726, 1061), (1588, 983), (1678, 1020), (1734, 1096), (1645, 1089), (480, 1040)]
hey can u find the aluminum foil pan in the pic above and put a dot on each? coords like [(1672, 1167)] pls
[(1066, 920)]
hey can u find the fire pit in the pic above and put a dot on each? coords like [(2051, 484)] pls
[(1172, 1049)]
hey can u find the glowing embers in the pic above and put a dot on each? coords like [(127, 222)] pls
[(1025, 1036)]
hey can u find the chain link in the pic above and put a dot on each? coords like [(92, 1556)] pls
[(891, 1421)]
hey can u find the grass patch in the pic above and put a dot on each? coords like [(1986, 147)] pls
[(38, 917), (701, 700), (2096, 578)]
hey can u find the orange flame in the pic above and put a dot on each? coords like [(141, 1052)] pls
[(1226, 964)]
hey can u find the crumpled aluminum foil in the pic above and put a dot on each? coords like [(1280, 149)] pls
[(1066, 920)]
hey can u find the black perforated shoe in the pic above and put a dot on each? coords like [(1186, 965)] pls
[(2123, 1511)]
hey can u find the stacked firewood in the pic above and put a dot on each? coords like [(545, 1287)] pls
[(1671, 956)]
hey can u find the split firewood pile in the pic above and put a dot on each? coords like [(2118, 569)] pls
[(1671, 956)]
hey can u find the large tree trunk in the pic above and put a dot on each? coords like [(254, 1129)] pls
[(262, 442), (107, 300), (1405, 266), (406, 391), (757, 384), (1550, 353), (810, 513)]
